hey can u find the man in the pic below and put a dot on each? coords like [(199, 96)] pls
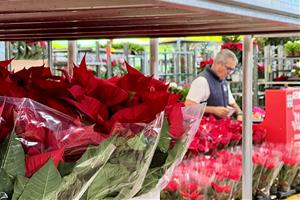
[(212, 87)]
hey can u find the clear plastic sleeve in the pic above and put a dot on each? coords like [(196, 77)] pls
[(267, 165), (191, 179), (86, 164), (291, 163), (166, 159)]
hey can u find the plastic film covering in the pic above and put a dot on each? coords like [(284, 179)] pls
[(83, 163), (170, 153)]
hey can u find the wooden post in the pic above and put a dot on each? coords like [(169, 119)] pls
[(154, 57), (72, 56)]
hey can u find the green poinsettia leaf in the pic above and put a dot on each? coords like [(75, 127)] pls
[(12, 156), (109, 181), (137, 142), (176, 153), (152, 178), (19, 186), (75, 184), (93, 151), (45, 181), (65, 168), (6, 183), (164, 140)]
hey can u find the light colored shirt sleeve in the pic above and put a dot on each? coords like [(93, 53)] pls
[(231, 100), (199, 90)]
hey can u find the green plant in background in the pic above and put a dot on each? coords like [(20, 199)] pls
[(292, 48), (262, 41), (23, 50), (233, 38), (134, 48), (289, 48), (297, 48), (183, 90)]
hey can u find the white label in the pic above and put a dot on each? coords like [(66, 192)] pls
[(289, 101), (296, 121), (297, 136), (296, 95)]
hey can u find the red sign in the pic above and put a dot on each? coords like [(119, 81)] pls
[(283, 116)]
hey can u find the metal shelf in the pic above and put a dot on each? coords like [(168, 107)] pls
[(280, 83)]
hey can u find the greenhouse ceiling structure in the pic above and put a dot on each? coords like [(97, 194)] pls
[(74, 19), (79, 19)]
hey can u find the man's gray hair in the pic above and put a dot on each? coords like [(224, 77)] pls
[(224, 54)]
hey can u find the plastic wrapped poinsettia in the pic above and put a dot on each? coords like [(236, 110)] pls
[(267, 164), (44, 139), (228, 168), (217, 134), (92, 128), (191, 180), (172, 148), (291, 162)]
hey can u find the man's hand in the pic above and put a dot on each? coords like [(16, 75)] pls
[(221, 111), (239, 118)]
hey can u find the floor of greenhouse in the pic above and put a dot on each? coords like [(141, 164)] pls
[(294, 197)]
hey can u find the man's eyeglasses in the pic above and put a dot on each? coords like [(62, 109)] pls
[(229, 69)]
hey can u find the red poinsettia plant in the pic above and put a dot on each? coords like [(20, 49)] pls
[(97, 105), (216, 134), (207, 62)]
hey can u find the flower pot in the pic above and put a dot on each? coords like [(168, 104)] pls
[(296, 54)]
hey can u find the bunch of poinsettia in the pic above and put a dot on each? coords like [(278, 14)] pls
[(216, 134), (290, 156), (93, 132), (222, 173), (191, 179), (205, 177)]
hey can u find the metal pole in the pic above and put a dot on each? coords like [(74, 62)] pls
[(255, 78), (154, 57), (8, 53), (186, 68), (108, 54), (50, 62), (98, 59), (247, 117), (145, 68), (72, 55), (126, 49), (178, 61)]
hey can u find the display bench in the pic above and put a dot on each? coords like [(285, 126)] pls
[(282, 120)]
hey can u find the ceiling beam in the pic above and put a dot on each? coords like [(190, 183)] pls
[(96, 13), (136, 28), (98, 36), (23, 6), (106, 22), (150, 33)]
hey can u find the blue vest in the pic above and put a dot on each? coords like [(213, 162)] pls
[(218, 89)]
